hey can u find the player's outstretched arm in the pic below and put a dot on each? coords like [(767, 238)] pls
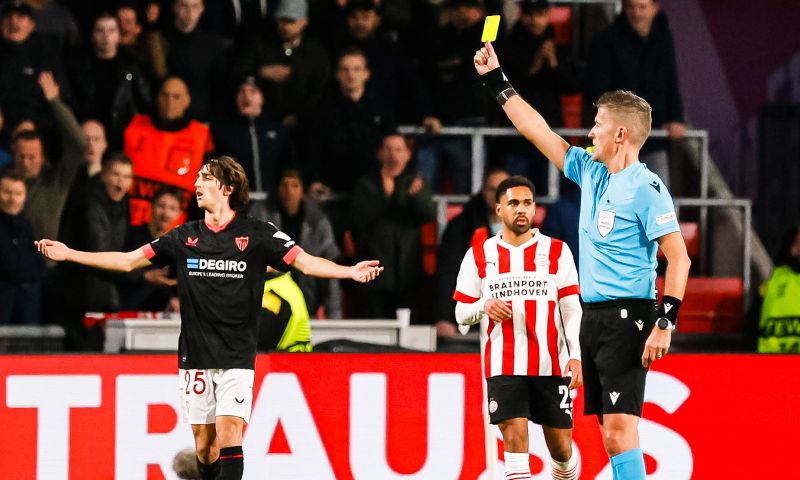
[(361, 272), (524, 117), (117, 261)]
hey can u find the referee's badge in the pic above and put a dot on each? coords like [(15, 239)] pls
[(605, 222)]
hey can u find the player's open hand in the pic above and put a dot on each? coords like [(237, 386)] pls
[(657, 346), (497, 310), (51, 249), (485, 59), (574, 370), (366, 271)]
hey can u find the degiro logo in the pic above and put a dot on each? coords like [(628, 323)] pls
[(215, 265)]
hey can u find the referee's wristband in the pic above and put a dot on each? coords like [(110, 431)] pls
[(497, 84), (668, 308)]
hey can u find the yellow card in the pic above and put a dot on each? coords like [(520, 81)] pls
[(490, 27)]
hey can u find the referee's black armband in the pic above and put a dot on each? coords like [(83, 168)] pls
[(498, 85), (669, 309)]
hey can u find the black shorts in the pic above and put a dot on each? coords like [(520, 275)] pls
[(612, 339), (543, 400)]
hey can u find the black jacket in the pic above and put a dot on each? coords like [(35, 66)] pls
[(110, 91), (20, 93), (455, 242), (347, 135), (261, 146), (620, 59), (390, 228), (20, 263)]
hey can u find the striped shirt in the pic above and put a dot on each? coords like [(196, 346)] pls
[(532, 277)]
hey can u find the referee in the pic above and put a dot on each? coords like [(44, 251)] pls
[(625, 210)]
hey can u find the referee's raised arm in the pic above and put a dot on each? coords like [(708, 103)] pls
[(524, 117)]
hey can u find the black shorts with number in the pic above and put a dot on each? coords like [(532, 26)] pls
[(612, 339), (544, 400)]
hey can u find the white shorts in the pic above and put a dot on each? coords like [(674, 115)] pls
[(207, 394)]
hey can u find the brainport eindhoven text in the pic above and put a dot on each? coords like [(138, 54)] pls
[(518, 287)]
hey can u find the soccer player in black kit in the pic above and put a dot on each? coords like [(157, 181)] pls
[(221, 263)]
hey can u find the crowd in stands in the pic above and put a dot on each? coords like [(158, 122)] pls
[(109, 109)]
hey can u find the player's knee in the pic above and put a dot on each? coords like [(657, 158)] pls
[(206, 452), (515, 440), (561, 450), (616, 440)]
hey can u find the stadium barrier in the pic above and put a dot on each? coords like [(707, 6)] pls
[(379, 417)]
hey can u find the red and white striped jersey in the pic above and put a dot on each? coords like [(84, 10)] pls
[(532, 277)]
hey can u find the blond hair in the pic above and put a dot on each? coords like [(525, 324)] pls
[(632, 110)]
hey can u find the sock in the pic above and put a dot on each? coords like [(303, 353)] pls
[(629, 465), (232, 460), (565, 470), (518, 466), (208, 471)]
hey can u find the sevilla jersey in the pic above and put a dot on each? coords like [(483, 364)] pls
[(531, 277), (221, 273)]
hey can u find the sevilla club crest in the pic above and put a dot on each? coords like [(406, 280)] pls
[(242, 242)]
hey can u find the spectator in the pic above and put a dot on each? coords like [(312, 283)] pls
[(541, 71), (100, 226), (49, 184), (562, 217), (294, 69), (349, 126), (152, 289), (479, 213), (261, 145), (23, 57), (92, 164), (186, 51), (301, 219), (392, 72), (21, 272), (781, 307), (637, 53), (391, 206), (109, 87), (167, 149)]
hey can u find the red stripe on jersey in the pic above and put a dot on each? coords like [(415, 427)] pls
[(221, 227), (292, 254), (487, 353), (504, 266), (463, 297), (555, 253), (567, 291), (530, 257), (552, 338), (479, 237), (503, 260), (533, 341), (148, 251)]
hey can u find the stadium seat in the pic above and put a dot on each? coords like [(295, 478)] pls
[(561, 20), (710, 305), (429, 241), (538, 217), (453, 210)]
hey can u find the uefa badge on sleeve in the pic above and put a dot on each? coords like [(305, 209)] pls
[(242, 242), (492, 406)]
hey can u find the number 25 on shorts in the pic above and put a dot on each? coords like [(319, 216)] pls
[(490, 27)]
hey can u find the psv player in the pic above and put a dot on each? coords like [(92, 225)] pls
[(522, 287), (221, 263)]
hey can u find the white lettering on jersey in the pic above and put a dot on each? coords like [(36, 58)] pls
[(667, 217)]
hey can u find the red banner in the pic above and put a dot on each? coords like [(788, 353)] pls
[(372, 417)]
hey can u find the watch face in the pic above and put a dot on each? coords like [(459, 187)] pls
[(663, 323)]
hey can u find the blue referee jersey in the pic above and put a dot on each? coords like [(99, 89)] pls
[(622, 214)]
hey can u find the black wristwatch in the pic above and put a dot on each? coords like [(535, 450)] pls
[(664, 324)]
